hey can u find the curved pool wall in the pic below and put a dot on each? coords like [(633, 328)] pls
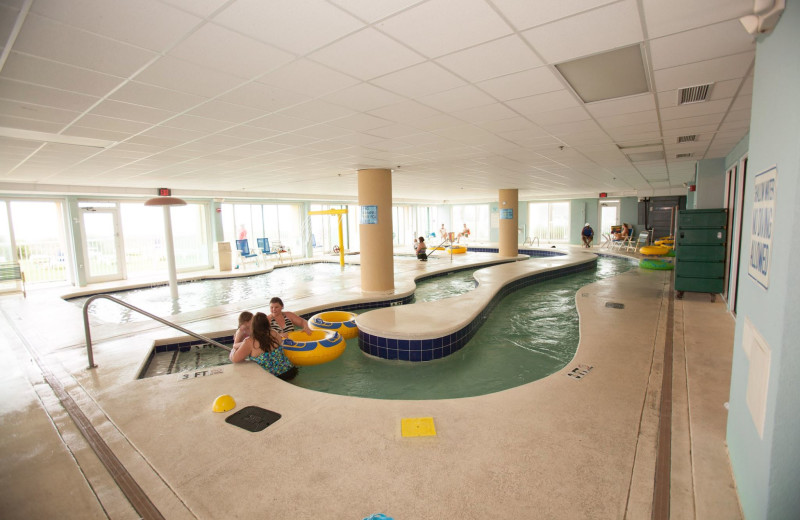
[(416, 333)]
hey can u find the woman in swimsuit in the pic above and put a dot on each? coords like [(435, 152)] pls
[(264, 347), (283, 322)]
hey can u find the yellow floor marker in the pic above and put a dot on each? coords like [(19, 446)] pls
[(417, 427)]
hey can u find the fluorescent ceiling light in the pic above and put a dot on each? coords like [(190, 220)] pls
[(609, 75), (31, 135)]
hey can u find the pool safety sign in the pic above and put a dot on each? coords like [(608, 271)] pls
[(369, 214), (507, 214), (762, 227)]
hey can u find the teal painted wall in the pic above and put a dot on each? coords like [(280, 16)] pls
[(710, 182), (767, 470), (582, 211)]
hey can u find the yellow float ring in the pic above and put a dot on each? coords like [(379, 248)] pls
[(438, 248), (457, 250), (664, 242), (319, 347), (654, 250), (342, 322)]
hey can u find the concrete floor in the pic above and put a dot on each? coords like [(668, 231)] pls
[(556, 448)]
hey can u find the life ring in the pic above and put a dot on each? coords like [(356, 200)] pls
[(664, 242), (654, 250), (320, 347), (655, 263), (457, 250), (438, 248), (342, 322)]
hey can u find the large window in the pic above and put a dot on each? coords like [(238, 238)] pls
[(280, 223), (476, 217), (41, 245), (549, 221)]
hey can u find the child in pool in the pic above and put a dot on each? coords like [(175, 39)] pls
[(245, 329)]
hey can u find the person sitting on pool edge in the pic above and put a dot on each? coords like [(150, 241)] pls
[(464, 233), (587, 234), (245, 327), (284, 322), (264, 347), (421, 248)]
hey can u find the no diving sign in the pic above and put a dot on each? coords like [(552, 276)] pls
[(762, 229)]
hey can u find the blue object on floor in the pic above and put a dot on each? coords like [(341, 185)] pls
[(378, 516)]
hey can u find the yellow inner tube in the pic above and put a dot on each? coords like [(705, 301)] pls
[(342, 322), (320, 347), (654, 250), (664, 242), (457, 250)]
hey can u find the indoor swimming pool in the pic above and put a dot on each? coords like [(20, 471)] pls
[(531, 334), (202, 294)]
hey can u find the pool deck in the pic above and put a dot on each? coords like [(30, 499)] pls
[(560, 447)]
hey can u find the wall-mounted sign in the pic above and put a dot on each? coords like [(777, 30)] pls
[(164, 192), (369, 214), (762, 226), (507, 214), (603, 195)]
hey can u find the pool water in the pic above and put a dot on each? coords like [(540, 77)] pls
[(529, 335), (202, 294)]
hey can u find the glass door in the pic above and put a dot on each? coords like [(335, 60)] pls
[(103, 253), (609, 216)]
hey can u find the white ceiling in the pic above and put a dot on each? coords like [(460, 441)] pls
[(289, 98)]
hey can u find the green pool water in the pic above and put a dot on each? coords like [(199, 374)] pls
[(529, 335), (532, 333)]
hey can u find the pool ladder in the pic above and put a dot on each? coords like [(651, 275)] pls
[(529, 241), (140, 311)]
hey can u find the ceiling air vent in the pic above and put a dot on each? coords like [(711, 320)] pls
[(683, 155), (693, 94), (686, 138)]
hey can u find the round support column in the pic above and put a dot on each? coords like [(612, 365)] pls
[(509, 217), (375, 228)]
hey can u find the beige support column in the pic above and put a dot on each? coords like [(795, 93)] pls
[(375, 228), (509, 218)]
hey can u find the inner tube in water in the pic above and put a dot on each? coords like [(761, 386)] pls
[(654, 263)]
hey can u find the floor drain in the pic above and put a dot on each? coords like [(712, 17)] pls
[(579, 371), (614, 305), (253, 418)]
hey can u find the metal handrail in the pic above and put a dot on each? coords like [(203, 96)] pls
[(140, 311)]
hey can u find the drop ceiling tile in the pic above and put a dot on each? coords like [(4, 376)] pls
[(297, 26), (308, 78), (317, 110), (112, 124), (509, 125), (360, 122), (31, 69), (202, 8), (240, 55), (405, 112), (624, 105), (281, 122), (27, 124), (40, 113), (151, 96), (522, 84), (11, 90), (688, 122), (565, 127), (197, 124), (460, 98), (94, 133), (419, 80), (120, 110), (439, 27), (625, 133), (664, 18), (258, 95), (366, 55), (486, 113), (524, 14), (547, 102), (175, 74), (696, 109), (715, 41), (701, 73), (223, 111), (627, 119), (144, 23), (482, 63), (371, 11), (577, 37), (363, 97), (45, 38)]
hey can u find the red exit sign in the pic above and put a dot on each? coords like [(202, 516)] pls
[(603, 195), (164, 192)]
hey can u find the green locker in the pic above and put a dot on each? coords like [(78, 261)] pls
[(700, 250)]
